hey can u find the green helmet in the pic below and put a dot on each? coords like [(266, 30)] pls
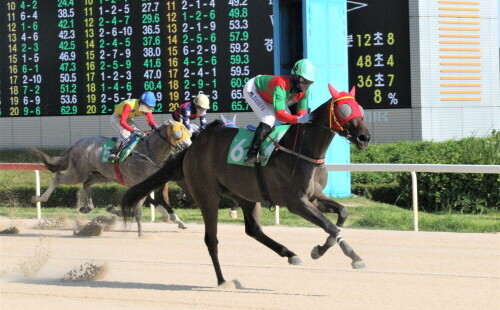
[(305, 69)]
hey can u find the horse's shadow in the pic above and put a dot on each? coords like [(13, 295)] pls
[(111, 284), (150, 286)]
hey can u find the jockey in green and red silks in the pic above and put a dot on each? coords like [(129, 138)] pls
[(269, 97)]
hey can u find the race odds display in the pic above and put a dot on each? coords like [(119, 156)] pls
[(379, 53), (82, 57)]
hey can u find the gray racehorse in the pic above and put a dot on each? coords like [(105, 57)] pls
[(83, 163)]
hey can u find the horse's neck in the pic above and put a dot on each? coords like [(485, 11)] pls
[(155, 147), (311, 141)]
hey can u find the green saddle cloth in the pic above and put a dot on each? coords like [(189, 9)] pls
[(124, 153), (242, 140)]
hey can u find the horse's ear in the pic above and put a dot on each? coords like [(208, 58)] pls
[(223, 118), (353, 91), (333, 91), (234, 118)]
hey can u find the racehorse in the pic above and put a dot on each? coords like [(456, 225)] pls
[(295, 176), (85, 164)]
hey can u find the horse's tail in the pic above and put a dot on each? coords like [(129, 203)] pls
[(54, 164), (171, 171)]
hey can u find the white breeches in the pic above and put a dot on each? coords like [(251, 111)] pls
[(115, 122), (264, 110)]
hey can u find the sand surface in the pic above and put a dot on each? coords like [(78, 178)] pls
[(170, 268)]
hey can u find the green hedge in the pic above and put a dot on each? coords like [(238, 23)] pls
[(102, 196), (438, 192)]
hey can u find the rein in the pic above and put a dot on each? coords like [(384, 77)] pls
[(286, 150), (151, 158)]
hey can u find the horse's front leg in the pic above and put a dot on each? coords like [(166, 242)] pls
[(251, 213), (88, 204), (93, 178), (305, 209), (325, 204)]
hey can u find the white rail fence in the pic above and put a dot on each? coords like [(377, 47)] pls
[(412, 168)]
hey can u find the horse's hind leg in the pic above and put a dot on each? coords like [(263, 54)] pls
[(165, 203), (138, 216), (164, 207), (251, 213), (60, 178), (209, 205)]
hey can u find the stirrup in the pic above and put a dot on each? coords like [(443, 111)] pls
[(113, 157), (254, 159)]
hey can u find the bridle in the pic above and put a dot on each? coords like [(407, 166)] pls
[(170, 135), (342, 107)]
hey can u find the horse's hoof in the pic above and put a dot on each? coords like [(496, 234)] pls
[(359, 264), (231, 285), (84, 210), (181, 225), (315, 253), (294, 260)]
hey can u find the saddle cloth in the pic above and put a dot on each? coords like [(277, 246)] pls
[(126, 148), (243, 139)]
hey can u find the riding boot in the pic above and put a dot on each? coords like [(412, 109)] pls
[(113, 155), (253, 155)]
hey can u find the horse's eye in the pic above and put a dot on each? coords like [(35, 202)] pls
[(345, 110), (177, 134)]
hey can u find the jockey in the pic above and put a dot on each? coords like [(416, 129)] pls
[(269, 97), (123, 122), (192, 110)]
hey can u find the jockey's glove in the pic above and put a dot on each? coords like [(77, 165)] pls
[(306, 118), (154, 127), (138, 133)]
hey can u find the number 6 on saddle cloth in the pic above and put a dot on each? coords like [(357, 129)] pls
[(242, 140)]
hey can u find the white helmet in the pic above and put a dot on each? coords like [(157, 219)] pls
[(202, 101)]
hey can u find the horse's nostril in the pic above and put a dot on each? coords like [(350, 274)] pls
[(364, 138)]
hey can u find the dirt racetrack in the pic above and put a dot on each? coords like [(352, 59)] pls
[(171, 269)]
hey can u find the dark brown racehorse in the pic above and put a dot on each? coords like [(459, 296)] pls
[(295, 176)]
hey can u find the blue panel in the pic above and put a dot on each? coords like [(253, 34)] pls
[(276, 33), (325, 39)]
